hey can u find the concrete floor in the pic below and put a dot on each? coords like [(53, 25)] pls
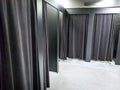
[(80, 75)]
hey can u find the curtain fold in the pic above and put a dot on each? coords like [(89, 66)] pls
[(46, 52), (116, 36), (116, 54), (19, 49), (111, 39), (103, 37), (1, 50), (77, 36), (63, 35)]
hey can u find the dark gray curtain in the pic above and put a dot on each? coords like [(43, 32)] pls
[(116, 51), (63, 35), (116, 34), (1, 50), (19, 48), (77, 36), (103, 38), (46, 57)]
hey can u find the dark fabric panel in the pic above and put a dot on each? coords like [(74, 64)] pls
[(17, 45), (63, 35), (97, 35), (107, 20), (66, 34), (77, 36), (116, 33), (70, 45), (52, 27), (117, 40), (111, 39), (103, 37), (40, 43), (46, 57), (2, 53), (21, 65), (118, 48), (36, 69)]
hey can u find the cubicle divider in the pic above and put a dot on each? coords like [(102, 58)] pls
[(52, 28), (55, 27)]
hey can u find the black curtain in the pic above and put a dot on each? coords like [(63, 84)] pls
[(63, 34), (103, 39), (78, 26), (116, 51), (46, 52), (1, 50), (116, 34), (20, 56)]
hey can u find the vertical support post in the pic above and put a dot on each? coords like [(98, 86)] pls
[(90, 37)]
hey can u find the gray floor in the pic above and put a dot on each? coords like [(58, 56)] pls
[(80, 75)]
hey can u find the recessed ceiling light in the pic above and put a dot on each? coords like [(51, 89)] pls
[(63, 3)]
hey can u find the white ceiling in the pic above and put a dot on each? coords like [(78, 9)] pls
[(94, 3), (88, 3)]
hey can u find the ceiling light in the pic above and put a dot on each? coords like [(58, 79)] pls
[(106, 3), (64, 3)]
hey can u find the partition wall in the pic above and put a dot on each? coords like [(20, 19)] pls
[(56, 28)]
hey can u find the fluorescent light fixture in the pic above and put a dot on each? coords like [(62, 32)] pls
[(105, 3), (64, 3)]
